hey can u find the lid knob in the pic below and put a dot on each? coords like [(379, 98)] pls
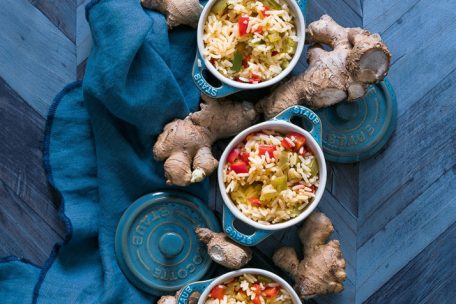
[(347, 110), (170, 244)]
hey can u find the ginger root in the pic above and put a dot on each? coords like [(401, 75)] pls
[(193, 299), (177, 12), (322, 270), (185, 144), (223, 250), (357, 59)]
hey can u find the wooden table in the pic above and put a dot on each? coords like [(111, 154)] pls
[(394, 214)]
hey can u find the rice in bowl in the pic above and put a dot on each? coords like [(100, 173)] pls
[(250, 41), (271, 177), (249, 289)]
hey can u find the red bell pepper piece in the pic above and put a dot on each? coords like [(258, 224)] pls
[(243, 25), (245, 61), (287, 145), (259, 30), (256, 300), (239, 167), (217, 292), (254, 201), (263, 149), (299, 141), (233, 155), (257, 288), (264, 11), (271, 292), (245, 157)]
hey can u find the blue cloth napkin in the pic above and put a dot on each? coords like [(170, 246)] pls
[(97, 152)]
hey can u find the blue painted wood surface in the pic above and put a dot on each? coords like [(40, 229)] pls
[(395, 214)]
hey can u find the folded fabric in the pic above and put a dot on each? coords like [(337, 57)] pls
[(98, 156)]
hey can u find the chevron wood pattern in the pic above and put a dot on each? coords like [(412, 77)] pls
[(395, 214)]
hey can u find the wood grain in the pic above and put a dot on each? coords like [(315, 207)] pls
[(40, 59), (388, 184), (430, 272), (60, 13), (393, 214), (28, 216)]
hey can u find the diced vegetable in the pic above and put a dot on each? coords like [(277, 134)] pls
[(263, 279), (245, 157), (237, 62), (219, 7), (217, 292), (299, 141), (283, 161), (313, 167), (268, 196), (240, 167), (240, 47), (271, 292), (254, 201), (280, 183), (256, 300), (264, 11), (257, 288), (233, 155), (287, 145), (259, 29), (269, 149), (273, 4), (274, 37), (243, 25), (255, 78), (290, 45)]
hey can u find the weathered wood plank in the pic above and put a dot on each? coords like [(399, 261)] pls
[(418, 65), (40, 59), (345, 227), (62, 14), (24, 233), (379, 16), (83, 34), (339, 10), (26, 201), (356, 6), (406, 235), (422, 150), (343, 185), (425, 278)]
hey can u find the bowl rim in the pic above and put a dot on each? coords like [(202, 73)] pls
[(278, 126), (255, 271), (301, 33)]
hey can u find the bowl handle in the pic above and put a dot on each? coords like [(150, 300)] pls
[(184, 296), (239, 237), (205, 87), (308, 115)]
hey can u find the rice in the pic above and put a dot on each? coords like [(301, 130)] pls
[(271, 177), (249, 41), (249, 288)]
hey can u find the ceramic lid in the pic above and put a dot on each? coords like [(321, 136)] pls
[(156, 246), (354, 131)]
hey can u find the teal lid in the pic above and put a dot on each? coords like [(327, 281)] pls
[(354, 131), (156, 245)]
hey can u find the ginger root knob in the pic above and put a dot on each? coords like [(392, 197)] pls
[(194, 297), (223, 250), (322, 270), (358, 58), (177, 12), (185, 144)]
